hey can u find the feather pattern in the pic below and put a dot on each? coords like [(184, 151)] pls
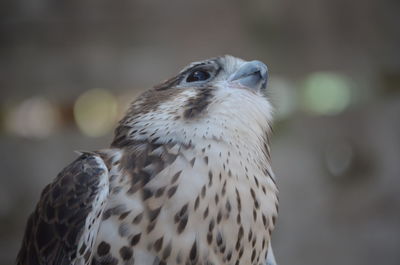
[(63, 228), (187, 180)]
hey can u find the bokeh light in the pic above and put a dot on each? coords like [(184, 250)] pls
[(95, 112), (34, 117), (338, 158), (326, 93)]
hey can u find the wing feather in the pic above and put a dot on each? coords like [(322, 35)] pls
[(63, 227)]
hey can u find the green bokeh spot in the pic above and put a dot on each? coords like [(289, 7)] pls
[(326, 93)]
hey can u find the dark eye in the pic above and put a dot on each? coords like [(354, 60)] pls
[(198, 75)]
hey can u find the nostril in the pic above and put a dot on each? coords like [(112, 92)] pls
[(258, 73)]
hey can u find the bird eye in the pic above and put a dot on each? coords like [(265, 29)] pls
[(198, 75)]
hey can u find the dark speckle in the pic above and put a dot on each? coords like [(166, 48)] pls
[(147, 193), (250, 235), (126, 253), (228, 206), (203, 191), (103, 249), (167, 251), (175, 177), (159, 192), (124, 215), (158, 244), (264, 219), (192, 161), (196, 203), (193, 252), (138, 218), (219, 216), (153, 214), (209, 238), (229, 256), (135, 239), (210, 177), (182, 224), (219, 239), (172, 191), (253, 255), (216, 198), (205, 214), (150, 227)]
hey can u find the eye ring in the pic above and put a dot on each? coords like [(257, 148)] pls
[(198, 75)]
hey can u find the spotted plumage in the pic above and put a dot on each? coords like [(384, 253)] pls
[(187, 180)]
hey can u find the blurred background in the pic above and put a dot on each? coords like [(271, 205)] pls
[(68, 70)]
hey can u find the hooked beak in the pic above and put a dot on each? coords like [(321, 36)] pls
[(253, 74)]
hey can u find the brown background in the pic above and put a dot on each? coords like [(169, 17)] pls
[(338, 173)]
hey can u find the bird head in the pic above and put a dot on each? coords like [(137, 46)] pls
[(217, 99)]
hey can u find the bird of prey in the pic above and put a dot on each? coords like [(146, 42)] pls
[(187, 180)]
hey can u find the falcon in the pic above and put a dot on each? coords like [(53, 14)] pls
[(187, 180)]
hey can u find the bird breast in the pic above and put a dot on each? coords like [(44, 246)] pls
[(186, 204)]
